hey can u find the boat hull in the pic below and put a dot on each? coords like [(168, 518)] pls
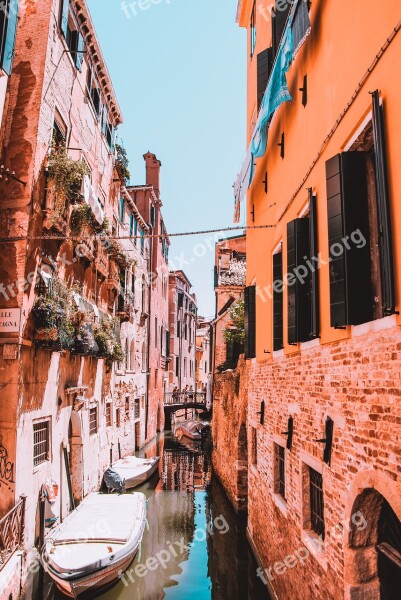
[(93, 582), (134, 482)]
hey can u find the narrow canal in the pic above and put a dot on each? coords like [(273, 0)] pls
[(198, 545)]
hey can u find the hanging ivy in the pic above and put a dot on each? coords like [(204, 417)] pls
[(122, 163), (66, 175)]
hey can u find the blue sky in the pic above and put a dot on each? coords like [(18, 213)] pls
[(179, 71)]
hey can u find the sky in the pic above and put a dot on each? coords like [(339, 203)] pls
[(178, 70)]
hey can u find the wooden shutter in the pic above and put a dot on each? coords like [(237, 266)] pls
[(64, 14), (328, 440), (279, 19), (351, 301), (10, 30), (264, 68), (299, 313), (314, 282), (383, 209), (250, 322), (277, 302)]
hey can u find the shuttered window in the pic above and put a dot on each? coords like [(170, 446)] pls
[(383, 209), (264, 68), (250, 322), (299, 285), (64, 14), (279, 19), (277, 301), (8, 29), (351, 301), (314, 253)]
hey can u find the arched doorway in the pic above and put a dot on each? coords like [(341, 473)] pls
[(375, 543), (242, 468)]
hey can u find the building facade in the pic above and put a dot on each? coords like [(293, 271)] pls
[(323, 355), (229, 285), (82, 276), (203, 354), (182, 324), (8, 28), (155, 294)]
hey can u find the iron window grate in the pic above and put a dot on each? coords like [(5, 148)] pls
[(40, 443), (280, 458), (92, 421), (316, 502)]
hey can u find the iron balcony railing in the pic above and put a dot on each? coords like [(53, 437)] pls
[(183, 398), (12, 527)]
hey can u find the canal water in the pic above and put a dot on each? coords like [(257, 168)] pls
[(197, 543)]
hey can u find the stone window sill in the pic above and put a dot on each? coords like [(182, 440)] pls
[(315, 546), (281, 504)]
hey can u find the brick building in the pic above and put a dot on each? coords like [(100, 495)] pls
[(229, 285), (155, 294), (8, 27), (77, 283), (323, 356), (183, 313)]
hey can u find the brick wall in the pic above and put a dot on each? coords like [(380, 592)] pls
[(357, 383), (229, 433)]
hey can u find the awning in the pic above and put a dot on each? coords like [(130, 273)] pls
[(297, 30)]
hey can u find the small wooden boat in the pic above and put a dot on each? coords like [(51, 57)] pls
[(96, 543), (194, 430), (134, 470)]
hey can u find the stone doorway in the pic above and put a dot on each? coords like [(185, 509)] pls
[(374, 559)]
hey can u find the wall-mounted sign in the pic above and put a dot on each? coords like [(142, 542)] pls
[(10, 319)]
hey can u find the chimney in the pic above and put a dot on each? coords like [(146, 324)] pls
[(152, 171)]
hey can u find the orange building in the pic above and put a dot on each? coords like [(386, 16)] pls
[(324, 277)]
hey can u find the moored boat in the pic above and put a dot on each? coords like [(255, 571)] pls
[(135, 471), (96, 543), (194, 430)]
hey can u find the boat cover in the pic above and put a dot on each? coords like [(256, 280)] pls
[(103, 518)]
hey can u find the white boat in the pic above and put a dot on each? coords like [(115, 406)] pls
[(96, 543), (134, 470), (194, 430)]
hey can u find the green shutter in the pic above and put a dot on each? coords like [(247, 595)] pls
[(64, 14), (10, 33), (79, 54), (250, 322)]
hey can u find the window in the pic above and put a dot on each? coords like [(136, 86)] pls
[(131, 224), (107, 129), (190, 368), (8, 28), (118, 417), (253, 29), (142, 240), (250, 321), (93, 420), (177, 366), (41, 442), (302, 290), (254, 446), (121, 210), (279, 19), (156, 377), (127, 407), (316, 502), (205, 366), (278, 301), (185, 367), (59, 134), (153, 216), (265, 64), (137, 408), (359, 223), (71, 33), (109, 417), (279, 470), (92, 92)]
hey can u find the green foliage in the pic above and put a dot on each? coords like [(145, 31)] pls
[(122, 163), (67, 176), (236, 332), (81, 216)]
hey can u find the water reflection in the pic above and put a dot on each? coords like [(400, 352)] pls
[(195, 546)]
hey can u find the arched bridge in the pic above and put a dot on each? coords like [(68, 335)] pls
[(174, 401)]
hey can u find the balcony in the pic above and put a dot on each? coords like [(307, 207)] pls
[(125, 308), (12, 527)]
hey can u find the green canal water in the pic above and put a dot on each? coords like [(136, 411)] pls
[(198, 545)]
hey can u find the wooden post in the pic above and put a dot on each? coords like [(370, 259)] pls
[(119, 450), (22, 532)]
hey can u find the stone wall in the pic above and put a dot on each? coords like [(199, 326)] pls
[(357, 383), (230, 454)]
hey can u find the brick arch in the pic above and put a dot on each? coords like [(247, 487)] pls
[(370, 495)]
